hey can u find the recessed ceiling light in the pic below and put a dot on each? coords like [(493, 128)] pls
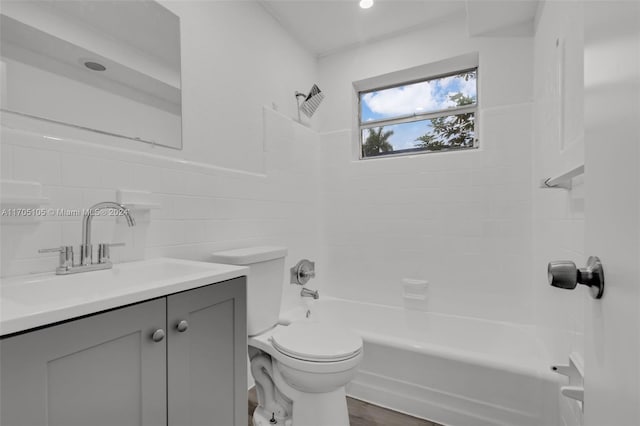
[(366, 4), (94, 66)]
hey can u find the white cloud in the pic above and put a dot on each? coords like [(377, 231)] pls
[(453, 85), (444, 82), (468, 88), (401, 100), (419, 97)]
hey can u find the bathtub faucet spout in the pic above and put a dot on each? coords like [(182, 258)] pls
[(305, 292)]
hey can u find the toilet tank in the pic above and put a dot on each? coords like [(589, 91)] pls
[(264, 283)]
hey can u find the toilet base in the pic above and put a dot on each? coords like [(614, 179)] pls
[(309, 409), (299, 392), (290, 406), (313, 409), (262, 418)]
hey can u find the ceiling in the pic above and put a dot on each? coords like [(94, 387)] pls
[(326, 26)]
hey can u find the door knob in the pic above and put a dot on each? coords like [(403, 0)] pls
[(565, 274)]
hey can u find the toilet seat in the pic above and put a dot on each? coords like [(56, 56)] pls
[(316, 342), (264, 342)]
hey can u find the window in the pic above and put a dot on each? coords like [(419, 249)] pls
[(436, 114)]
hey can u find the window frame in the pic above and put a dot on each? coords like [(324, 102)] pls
[(415, 117)]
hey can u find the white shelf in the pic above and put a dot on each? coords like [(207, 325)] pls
[(141, 206), (21, 193), (563, 180), (15, 201), (21, 201), (137, 200)]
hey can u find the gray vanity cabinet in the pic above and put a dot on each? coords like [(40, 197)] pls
[(99, 370), (202, 392), (106, 369)]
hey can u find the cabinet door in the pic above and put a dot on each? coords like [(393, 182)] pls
[(207, 362), (99, 370)]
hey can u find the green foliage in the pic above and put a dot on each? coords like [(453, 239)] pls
[(377, 142), (450, 132), (467, 75)]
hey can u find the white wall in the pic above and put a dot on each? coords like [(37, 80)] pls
[(460, 220), (558, 214), (235, 59), (208, 199)]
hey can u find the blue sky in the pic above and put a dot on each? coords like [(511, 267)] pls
[(404, 135), (427, 96)]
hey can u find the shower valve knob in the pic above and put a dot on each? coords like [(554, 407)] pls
[(564, 274), (302, 272), (307, 274)]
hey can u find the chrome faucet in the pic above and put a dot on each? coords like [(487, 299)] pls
[(86, 248), (301, 273), (67, 265), (305, 292)]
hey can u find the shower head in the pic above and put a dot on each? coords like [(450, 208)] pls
[(311, 101)]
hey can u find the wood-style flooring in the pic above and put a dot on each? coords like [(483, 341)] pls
[(363, 414)]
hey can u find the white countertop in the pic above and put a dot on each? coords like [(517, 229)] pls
[(40, 299)]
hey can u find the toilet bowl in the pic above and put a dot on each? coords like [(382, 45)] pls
[(301, 369), (309, 365)]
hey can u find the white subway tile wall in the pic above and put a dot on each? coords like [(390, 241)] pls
[(202, 208), (558, 215), (427, 217), (460, 220)]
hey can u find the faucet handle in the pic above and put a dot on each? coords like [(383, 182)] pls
[(60, 249), (114, 244), (66, 255), (104, 254), (302, 272), (307, 274)]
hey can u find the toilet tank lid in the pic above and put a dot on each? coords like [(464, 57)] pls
[(249, 255)]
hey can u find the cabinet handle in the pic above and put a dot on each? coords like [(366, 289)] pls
[(158, 335), (182, 326)]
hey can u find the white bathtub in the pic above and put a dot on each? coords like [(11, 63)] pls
[(456, 371)]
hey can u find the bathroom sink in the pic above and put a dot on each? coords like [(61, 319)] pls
[(125, 277), (34, 300)]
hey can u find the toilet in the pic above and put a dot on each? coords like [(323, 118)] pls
[(300, 369)]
